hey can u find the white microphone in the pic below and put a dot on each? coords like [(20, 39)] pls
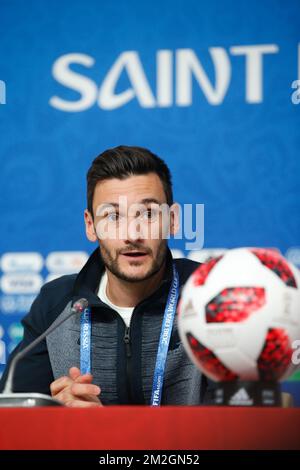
[(78, 307)]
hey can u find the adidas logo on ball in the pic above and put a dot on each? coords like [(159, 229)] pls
[(241, 398)]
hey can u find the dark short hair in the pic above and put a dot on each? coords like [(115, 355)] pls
[(122, 162)]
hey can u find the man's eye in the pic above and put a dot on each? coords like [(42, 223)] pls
[(149, 214), (113, 217)]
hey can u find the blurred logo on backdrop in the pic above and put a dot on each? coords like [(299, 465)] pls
[(59, 263), (21, 262), (15, 334), (20, 282), (23, 275)]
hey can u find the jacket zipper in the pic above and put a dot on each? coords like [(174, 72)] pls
[(127, 341)]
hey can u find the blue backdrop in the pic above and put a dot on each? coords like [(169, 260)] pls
[(205, 85)]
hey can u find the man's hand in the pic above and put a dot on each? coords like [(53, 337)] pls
[(76, 390)]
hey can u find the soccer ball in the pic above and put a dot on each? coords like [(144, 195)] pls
[(239, 314)]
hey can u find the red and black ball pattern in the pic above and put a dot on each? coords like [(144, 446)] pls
[(276, 263), (201, 273), (235, 304), (276, 355), (209, 362)]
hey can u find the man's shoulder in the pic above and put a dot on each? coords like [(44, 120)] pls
[(58, 290), (63, 283), (50, 302)]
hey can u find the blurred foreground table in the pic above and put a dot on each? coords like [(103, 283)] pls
[(146, 428)]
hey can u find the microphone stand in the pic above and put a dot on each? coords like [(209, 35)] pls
[(9, 399)]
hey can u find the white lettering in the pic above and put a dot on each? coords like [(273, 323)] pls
[(83, 85), (130, 62), (188, 69), (187, 65), (164, 78), (254, 68), (296, 95), (296, 353), (2, 92)]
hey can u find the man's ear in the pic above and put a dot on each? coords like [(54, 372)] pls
[(174, 218), (89, 226)]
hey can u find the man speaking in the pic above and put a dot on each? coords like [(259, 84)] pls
[(124, 348)]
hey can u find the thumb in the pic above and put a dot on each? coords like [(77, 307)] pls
[(74, 373)]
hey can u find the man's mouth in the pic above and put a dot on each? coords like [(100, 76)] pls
[(135, 254)]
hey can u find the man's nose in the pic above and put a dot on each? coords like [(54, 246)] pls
[(134, 229)]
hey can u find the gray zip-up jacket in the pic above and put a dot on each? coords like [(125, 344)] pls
[(123, 360)]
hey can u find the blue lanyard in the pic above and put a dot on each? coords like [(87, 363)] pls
[(164, 340), (85, 341)]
